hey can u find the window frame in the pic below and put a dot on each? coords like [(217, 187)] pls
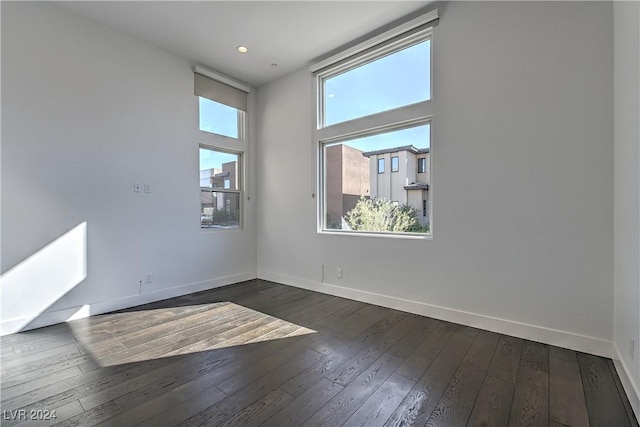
[(420, 163), (381, 168), (385, 121), (397, 164)]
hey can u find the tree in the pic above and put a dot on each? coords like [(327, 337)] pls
[(382, 215)]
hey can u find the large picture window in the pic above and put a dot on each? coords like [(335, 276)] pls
[(373, 138)]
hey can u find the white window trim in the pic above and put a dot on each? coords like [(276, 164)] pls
[(399, 118)]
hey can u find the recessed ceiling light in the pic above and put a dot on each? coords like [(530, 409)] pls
[(242, 49), (274, 65)]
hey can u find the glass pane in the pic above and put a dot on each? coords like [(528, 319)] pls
[(218, 169), (399, 79), (218, 118), (359, 196), (395, 164), (219, 210)]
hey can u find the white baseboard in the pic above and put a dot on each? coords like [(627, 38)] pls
[(541, 334), (628, 383), (48, 318)]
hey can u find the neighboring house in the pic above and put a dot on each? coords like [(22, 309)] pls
[(401, 174), (346, 181)]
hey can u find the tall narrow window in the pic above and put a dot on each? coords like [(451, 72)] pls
[(395, 164), (223, 109), (422, 165), (375, 107)]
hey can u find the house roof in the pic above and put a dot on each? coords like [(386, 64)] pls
[(409, 148)]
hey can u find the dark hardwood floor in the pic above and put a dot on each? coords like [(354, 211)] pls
[(260, 353)]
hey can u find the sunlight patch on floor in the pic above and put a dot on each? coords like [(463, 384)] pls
[(136, 336)]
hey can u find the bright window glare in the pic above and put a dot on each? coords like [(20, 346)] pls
[(369, 89), (218, 118)]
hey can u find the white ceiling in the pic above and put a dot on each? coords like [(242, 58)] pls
[(288, 33)]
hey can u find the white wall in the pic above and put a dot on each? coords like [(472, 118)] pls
[(627, 195), (86, 112), (522, 177)]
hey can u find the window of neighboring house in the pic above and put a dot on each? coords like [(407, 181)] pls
[(422, 165), (381, 165), (371, 104), (220, 188), (223, 106)]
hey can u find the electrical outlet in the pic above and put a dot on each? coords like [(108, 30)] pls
[(148, 278), (147, 188), (339, 273), (137, 187), (632, 348)]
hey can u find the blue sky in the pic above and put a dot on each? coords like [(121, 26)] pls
[(368, 89), (218, 118)]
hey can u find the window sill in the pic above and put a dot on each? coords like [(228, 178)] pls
[(408, 236)]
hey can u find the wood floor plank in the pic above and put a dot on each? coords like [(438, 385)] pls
[(415, 365), (365, 357), (457, 401), (493, 405), (625, 402), (379, 407), (34, 334), (229, 406), (21, 350), (336, 358), (535, 356), (566, 396), (347, 401), (506, 359), (562, 354), (416, 407), (217, 366), (604, 405), (305, 405), (260, 410), (39, 382), (293, 354), (172, 407), (530, 405)]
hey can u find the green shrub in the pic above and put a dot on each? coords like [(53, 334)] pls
[(383, 215)]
